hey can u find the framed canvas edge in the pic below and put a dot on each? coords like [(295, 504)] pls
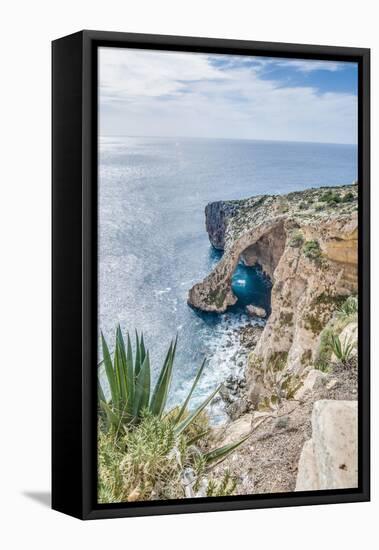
[(91, 40)]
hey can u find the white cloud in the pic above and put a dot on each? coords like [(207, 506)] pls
[(183, 94), (308, 66)]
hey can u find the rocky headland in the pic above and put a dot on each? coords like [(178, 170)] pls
[(307, 244)]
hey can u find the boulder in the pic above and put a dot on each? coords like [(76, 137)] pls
[(307, 477), (335, 439), (314, 380), (330, 459), (256, 311)]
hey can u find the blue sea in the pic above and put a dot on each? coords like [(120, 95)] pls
[(153, 245)]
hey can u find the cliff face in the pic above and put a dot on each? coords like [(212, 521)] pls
[(216, 217), (307, 242)]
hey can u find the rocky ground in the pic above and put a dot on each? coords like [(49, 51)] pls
[(268, 461)]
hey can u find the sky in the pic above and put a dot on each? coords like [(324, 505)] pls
[(175, 94)]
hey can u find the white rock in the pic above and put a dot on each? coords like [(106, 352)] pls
[(334, 435), (307, 477), (332, 384), (314, 380), (256, 311)]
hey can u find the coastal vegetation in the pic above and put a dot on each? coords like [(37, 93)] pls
[(144, 450), (297, 239), (312, 250), (332, 340), (342, 350), (305, 352)]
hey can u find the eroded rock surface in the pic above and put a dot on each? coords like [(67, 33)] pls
[(307, 245)]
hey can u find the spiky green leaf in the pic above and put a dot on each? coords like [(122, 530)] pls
[(100, 392), (191, 417), (110, 373), (162, 386), (185, 404), (113, 418), (142, 388), (221, 453), (137, 362)]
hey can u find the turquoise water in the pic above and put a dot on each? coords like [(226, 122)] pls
[(251, 287), (153, 245)]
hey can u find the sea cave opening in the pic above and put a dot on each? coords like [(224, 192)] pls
[(250, 283), (252, 279), (252, 287)]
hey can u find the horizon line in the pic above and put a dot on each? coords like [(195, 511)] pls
[(228, 138)]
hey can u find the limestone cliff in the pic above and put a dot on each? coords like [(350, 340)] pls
[(307, 243)]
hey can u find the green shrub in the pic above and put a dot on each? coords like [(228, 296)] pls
[(323, 366), (330, 197), (296, 239), (145, 451), (323, 354), (110, 452), (349, 308), (221, 488), (333, 203), (150, 461), (312, 250), (128, 376), (349, 197), (280, 383), (342, 350)]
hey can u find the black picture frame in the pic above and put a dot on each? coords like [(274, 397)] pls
[(74, 273)]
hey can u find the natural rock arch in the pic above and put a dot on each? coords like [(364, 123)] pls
[(263, 245)]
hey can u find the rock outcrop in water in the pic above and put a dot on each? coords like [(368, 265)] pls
[(307, 243)]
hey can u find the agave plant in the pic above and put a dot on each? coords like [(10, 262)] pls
[(149, 428), (129, 381), (342, 350)]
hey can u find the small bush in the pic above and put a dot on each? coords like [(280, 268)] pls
[(312, 250), (323, 366), (150, 461), (333, 203), (330, 197), (144, 451), (221, 488), (296, 239), (349, 308), (349, 197), (324, 352), (151, 464)]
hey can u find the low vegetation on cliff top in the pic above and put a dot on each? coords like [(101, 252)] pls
[(331, 340), (146, 452), (310, 204)]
